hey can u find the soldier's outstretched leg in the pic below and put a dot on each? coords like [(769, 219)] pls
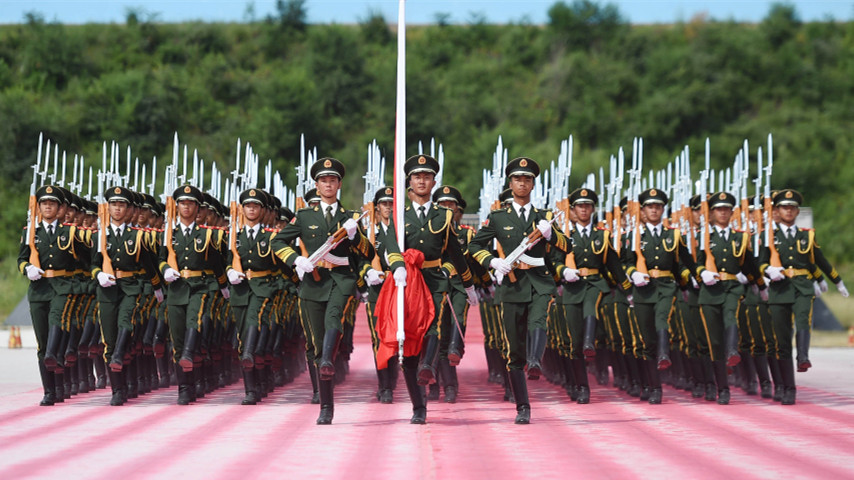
[(583, 385), (761, 362), (427, 366), (722, 382), (117, 385), (455, 347), (449, 378), (312, 372), (252, 397), (191, 341), (122, 341), (326, 368), (51, 354), (654, 379), (538, 340), (663, 350), (185, 387), (787, 372), (731, 345), (589, 347), (802, 338)]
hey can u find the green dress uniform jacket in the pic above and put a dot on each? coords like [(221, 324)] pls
[(255, 256), (436, 237)]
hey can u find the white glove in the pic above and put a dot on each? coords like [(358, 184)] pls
[(742, 278), (352, 227), (694, 283), (34, 273), (303, 265), (500, 266), (775, 273), (472, 296), (399, 276), (106, 280), (545, 228), (763, 294), (685, 296), (158, 294), (374, 277), (225, 293), (571, 275), (841, 287), (491, 290), (640, 279), (816, 289), (823, 285), (709, 278), (631, 300), (170, 275), (234, 277)]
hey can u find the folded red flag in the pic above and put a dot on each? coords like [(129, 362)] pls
[(418, 311)]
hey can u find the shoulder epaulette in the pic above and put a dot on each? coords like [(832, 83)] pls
[(673, 227), (272, 230), (467, 226), (807, 229), (602, 229)]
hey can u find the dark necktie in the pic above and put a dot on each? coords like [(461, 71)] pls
[(329, 216), (422, 213), (251, 236), (50, 231), (522, 215), (187, 232), (791, 233)]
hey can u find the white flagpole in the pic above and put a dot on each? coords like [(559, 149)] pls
[(400, 158)]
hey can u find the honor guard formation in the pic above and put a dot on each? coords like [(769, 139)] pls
[(633, 279)]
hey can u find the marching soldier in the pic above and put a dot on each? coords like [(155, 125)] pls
[(329, 285), (119, 293), (584, 285), (722, 290), (528, 290), (51, 287), (252, 286), (430, 229), (654, 292), (196, 256), (791, 293)]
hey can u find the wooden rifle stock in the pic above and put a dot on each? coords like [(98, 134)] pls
[(107, 263), (236, 215), (31, 234), (774, 259), (304, 252), (171, 258), (710, 259), (641, 260)]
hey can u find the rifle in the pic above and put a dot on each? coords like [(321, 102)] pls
[(774, 260), (236, 216), (526, 244), (169, 215), (331, 243), (634, 205), (33, 212), (704, 221), (103, 218)]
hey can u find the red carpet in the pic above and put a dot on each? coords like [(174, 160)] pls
[(615, 436)]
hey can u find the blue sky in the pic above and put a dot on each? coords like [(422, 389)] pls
[(418, 12)]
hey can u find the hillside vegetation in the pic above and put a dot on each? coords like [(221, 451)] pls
[(587, 73)]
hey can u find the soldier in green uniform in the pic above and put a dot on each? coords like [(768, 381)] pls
[(252, 285), (329, 285), (791, 292), (374, 273), (453, 325), (197, 256), (430, 229), (51, 286), (584, 285), (722, 289), (119, 293), (668, 264), (528, 289)]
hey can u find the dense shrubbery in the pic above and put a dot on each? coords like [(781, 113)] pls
[(586, 73)]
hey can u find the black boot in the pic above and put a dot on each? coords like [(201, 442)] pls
[(456, 346), (251, 388), (100, 372), (385, 384), (427, 366), (663, 350), (132, 379), (327, 408), (589, 346), (48, 384), (82, 375), (118, 387), (580, 372), (326, 368), (508, 392), (160, 334), (449, 380), (751, 386), (731, 345), (787, 371), (315, 393), (711, 393), (634, 389), (71, 347), (722, 383), (163, 371), (185, 387), (803, 348), (776, 377), (537, 343), (191, 341), (416, 393), (520, 391), (699, 376), (122, 340), (249, 341), (51, 354), (761, 362), (655, 392)]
